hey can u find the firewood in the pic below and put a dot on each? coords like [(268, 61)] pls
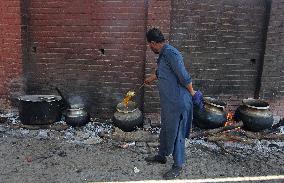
[(216, 130), (262, 135), (224, 137)]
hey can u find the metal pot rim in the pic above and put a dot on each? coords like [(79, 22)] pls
[(77, 105), (75, 114), (132, 106), (76, 109), (250, 102), (39, 98), (215, 102)]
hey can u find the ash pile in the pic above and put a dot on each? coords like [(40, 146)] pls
[(88, 134), (228, 139)]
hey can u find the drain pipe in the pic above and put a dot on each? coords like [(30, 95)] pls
[(261, 59)]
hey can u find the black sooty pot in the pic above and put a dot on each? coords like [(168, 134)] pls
[(255, 114), (40, 109), (212, 115), (127, 118)]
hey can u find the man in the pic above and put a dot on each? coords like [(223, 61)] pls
[(176, 91)]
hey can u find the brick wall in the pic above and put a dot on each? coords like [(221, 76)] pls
[(91, 49), (222, 44), (158, 15), (10, 50), (273, 71), (97, 49)]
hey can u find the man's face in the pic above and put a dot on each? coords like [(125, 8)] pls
[(154, 47)]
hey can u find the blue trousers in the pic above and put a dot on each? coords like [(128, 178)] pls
[(179, 144)]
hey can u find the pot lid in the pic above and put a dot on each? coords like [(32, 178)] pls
[(40, 98)]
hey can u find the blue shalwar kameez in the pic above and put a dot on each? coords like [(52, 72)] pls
[(176, 103)]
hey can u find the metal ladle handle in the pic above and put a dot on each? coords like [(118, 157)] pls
[(140, 86), (63, 98)]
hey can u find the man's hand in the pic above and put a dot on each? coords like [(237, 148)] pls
[(193, 93), (150, 79), (190, 89)]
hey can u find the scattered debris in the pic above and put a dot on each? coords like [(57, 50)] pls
[(28, 159), (136, 170), (138, 136), (126, 145), (93, 140), (42, 134)]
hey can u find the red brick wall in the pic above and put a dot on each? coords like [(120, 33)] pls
[(273, 71), (97, 49), (158, 16), (91, 49), (10, 48)]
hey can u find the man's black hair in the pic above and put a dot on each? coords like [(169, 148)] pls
[(155, 35)]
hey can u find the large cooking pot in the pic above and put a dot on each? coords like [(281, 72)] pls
[(213, 115), (40, 109), (255, 114), (76, 116), (128, 118)]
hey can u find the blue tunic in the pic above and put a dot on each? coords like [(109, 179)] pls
[(176, 102)]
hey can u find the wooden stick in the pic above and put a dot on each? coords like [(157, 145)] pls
[(260, 135), (216, 130)]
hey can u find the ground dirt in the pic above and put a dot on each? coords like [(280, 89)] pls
[(65, 156)]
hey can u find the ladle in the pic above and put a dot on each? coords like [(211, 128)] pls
[(66, 103)]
